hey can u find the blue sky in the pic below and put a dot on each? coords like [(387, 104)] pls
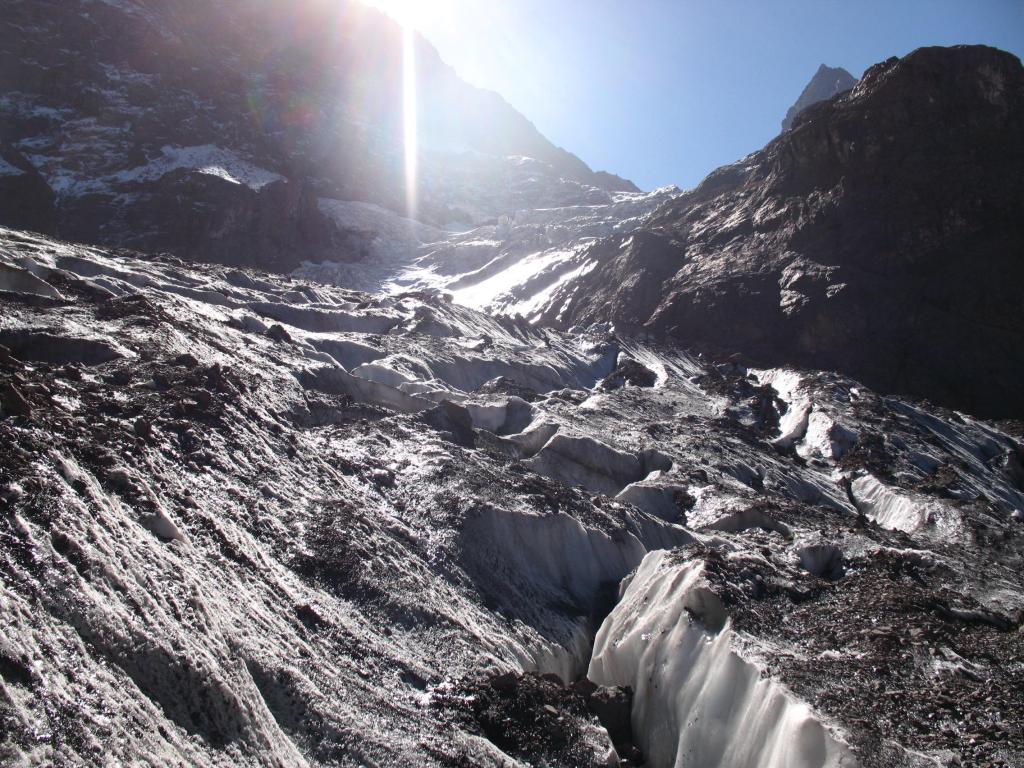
[(664, 91)]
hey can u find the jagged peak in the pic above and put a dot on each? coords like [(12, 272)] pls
[(826, 83)]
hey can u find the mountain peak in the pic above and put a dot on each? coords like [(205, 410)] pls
[(826, 83)]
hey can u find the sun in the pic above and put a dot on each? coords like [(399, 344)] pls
[(410, 129), (417, 14)]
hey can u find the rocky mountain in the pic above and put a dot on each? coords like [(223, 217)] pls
[(254, 520), (556, 473), (826, 83), (230, 131), (880, 236)]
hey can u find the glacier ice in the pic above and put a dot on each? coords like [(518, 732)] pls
[(698, 701)]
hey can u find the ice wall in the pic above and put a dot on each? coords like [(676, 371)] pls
[(698, 701)]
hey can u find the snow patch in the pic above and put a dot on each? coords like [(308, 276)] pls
[(207, 159)]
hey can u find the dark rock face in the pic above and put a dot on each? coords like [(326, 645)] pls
[(26, 200), (881, 236), (826, 83), (211, 219), (629, 372), (212, 130)]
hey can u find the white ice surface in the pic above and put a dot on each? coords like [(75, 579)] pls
[(805, 425), (697, 701), (897, 509), (513, 264)]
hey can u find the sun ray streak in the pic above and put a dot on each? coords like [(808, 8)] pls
[(409, 117)]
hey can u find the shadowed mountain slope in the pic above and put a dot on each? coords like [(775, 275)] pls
[(881, 236), (215, 130)]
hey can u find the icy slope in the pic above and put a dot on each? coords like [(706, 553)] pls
[(253, 520)]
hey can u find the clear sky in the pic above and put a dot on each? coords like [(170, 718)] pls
[(664, 91)]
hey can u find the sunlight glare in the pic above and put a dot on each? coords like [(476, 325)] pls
[(410, 13), (409, 122)]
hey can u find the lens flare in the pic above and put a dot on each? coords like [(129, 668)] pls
[(409, 127)]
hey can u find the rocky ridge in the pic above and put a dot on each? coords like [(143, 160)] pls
[(826, 83), (879, 236)]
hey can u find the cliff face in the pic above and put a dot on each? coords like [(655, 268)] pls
[(213, 129), (826, 83), (881, 236)]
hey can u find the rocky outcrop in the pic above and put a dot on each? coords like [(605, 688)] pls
[(880, 236), (26, 200), (826, 83), (209, 218)]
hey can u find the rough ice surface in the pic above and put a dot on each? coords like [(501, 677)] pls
[(698, 700), (592, 464), (274, 522), (901, 510), (656, 496), (17, 280), (809, 428), (258, 578)]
